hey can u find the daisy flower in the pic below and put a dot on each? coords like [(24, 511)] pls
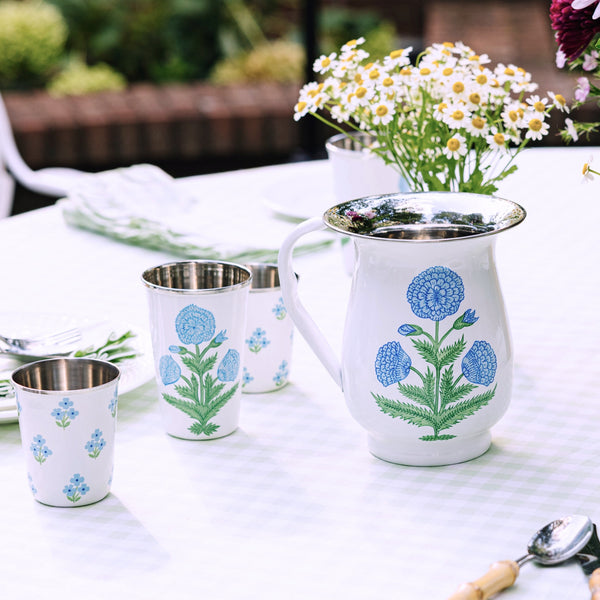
[(456, 116), (383, 112), (536, 128), (455, 147), (496, 140), (559, 102), (537, 104), (477, 126), (323, 63)]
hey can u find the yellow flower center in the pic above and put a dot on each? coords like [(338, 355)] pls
[(326, 62), (396, 53), (499, 139), (381, 110), (478, 123), (361, 92), (425, 71), (369, 66), (535, 124), (448, 45), (586, 168), (374, 74), (358, 78), (405, 71), (508, 71), (387, 82), (521, 70), (448, 71), (351, 43), (320, 87), (474, 57), (446, 52), (349, 97), (481, 79), (458, 87), (513, 115), (560, 99), (453, 144), (475, 98), (300, 106), (442, 106), (539, 106), (458, 115), (312, 93)]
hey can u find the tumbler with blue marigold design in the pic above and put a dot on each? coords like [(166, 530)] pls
[(67, 418), (269, 333), (426, 363), (197, 312)]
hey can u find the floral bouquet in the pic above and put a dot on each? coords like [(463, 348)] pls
[(449, 122), (576, 24)]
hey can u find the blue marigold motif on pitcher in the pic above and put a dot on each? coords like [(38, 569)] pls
[(438, 397), (479, 364), (197, 391), (392, 364), (435, 293)]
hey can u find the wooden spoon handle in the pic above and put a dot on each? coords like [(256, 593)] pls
[(594, 584), (502, 574)]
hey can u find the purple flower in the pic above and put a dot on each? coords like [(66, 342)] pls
[(582, 90), (574, 28), (392, 364)]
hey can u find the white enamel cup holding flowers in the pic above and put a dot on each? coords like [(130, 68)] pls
[(197, 315), (269, 333), (357, 170), (426, 356), (67, 418)]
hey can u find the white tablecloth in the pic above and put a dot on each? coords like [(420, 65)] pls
[(292, 505)]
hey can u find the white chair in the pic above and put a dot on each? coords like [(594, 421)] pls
[(50, 182)]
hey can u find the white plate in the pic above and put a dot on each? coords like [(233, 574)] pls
[(300, 198), (134, 372)]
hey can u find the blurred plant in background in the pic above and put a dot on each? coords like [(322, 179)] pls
[(79, 78), (32, 42), (82, 46)]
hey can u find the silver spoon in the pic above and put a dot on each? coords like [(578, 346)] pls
[(553, 544)]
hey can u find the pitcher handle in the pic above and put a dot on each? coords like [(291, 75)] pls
[(289, 289)]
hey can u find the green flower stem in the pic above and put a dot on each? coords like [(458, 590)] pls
[(437, 374)]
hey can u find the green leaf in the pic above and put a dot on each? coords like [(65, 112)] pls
[(208, 363), (426, 350), (422, 395), (449, 392), (210, 389), (407, 412), (191, 362), (203, 428), (218, 403), (433, 438), (449, 354), (189, 408), (464, 409)]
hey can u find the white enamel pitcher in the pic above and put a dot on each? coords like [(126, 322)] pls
[(426, 356)]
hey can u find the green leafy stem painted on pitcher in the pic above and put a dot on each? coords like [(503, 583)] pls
[(440, 398), (201, 394)]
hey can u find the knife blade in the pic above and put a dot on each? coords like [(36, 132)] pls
[(589, 559)]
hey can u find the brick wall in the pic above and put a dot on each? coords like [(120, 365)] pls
[(187, 123)]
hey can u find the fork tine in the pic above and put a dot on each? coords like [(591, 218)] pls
[(59, 337)]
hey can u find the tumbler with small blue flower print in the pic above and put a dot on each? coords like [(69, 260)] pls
[(69, 442), (269, 333), (197, 340)]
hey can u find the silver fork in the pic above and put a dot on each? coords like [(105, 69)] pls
[(52, 340)]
